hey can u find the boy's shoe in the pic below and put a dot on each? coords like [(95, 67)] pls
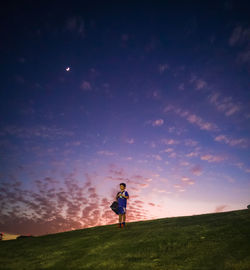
[(123, 224), (120, 225)]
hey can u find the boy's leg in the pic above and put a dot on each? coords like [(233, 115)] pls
[(120, 218), (124, 217)]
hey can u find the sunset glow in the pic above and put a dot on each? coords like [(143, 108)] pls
[(157, 97)]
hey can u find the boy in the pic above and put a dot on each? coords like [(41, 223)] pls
[(122, 197)]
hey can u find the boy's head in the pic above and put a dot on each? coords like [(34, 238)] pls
[(122, 186)]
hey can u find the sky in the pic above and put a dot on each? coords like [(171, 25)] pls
[(154, 94)]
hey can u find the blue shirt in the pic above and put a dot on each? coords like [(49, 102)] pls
[(123, 201)]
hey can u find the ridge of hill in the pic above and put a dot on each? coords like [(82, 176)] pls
[(205, 242)]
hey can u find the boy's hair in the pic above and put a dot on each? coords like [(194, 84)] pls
[(123, 184)]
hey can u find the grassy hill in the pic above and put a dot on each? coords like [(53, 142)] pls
[(210, 241)]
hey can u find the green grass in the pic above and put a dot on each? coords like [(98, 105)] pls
[(210, 241)]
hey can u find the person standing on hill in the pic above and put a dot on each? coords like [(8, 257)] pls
[(122, 197)]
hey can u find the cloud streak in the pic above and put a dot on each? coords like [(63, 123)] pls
[(224, 104), (241, 142), (192, 118)]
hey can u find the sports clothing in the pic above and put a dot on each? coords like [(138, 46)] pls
[(121, 200), (121, 210)]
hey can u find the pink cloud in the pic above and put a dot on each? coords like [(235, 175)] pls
[(172, 155), (105, 153), (196, 170), (186, 180), (220, 208), (190, 142), (52, 206), (192, 154), (239, 36), (158, 122), (119, 172), (212, 158), (40, 212), (152, 204), (130, 141), (198, 82), (224, 104), (139, 202), (241, 142), (192, 118), (168, 150), (163, 67), (169, 141), (86, 86), (157, 157)]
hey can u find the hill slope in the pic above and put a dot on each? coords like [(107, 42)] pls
[(210, 241)]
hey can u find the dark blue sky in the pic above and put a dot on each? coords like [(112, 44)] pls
[(157, 96)]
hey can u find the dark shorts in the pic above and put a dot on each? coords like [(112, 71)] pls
[(121, 210)]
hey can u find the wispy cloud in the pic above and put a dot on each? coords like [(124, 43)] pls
[(179, 188), (163, 67), (197, 170), (192, 118), (187, 180), (105, 153), (169, 141), (244, 56), (241, 142), (35, 131), (86, 86), (224, 104), (172, 155), (192, 154), (184, 163), (168, 150), (73, 143), (157, 157), (155, 123), (190, 142), (212, 158), (158, 123), (158, 190), (76, 25), (198, 82), (130, 141), (151, 204), (136, 182), (239, 36), (220, 208), (181, 86), (196, 120)]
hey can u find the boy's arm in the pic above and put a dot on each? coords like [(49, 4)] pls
[(126, 197)]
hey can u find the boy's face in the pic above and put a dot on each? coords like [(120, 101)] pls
[(122, 187)]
